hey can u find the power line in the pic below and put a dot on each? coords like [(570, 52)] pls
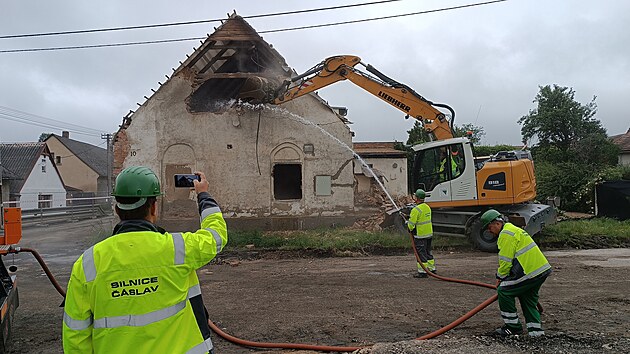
[(111, 29), (23, 120), (261, 32), (33, 117)]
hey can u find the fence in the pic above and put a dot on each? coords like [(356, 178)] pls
[(75, 209)]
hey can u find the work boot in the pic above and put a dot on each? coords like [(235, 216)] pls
[(420, 275), (506, 331)]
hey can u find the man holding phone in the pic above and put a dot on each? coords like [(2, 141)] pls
[(137, 291)]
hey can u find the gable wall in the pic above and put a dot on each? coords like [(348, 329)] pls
[(75, 173), (39, 182), (164, 136)]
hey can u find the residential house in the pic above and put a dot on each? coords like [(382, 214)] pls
[(269, 167), (623, 141), (34, 181), (385, 163), (83, 166)]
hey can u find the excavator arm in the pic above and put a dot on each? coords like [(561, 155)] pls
[(396, 94)]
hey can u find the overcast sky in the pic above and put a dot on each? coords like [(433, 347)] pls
[(486, 62)]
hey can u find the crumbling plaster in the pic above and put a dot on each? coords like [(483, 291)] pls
[(237, 152)]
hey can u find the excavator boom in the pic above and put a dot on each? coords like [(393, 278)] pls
[(338, 68)]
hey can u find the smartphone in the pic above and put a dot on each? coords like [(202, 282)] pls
[(185, 180)]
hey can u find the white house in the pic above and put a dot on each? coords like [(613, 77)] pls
[(35, 181)]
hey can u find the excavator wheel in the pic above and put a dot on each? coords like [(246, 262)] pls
[(483, 240)]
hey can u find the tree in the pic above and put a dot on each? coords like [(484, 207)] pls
[(477, 132), (572, 146), (561, 125), (418, 135), (43, 136)]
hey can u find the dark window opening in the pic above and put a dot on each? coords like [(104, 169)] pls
[(287, 181)]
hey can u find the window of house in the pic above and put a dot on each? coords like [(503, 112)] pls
[(43, 165), (45, 201), (287, 181), (58, 158)]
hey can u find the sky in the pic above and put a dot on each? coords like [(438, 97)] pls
[(487, 62)]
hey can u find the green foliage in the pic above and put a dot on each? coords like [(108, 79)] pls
[(486, 150), (43, 136), (476, 131), (615, 173), (572, 147), (567, 180), (417, 134), (559, 120)]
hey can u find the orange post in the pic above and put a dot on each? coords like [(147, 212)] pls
[(12, 226)]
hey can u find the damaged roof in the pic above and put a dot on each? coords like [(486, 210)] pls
[(225, 59), (622, 140)]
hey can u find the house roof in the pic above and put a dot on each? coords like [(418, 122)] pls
[(377, 149), (222, 64), (93, 156), (622, 140), (19, 159)]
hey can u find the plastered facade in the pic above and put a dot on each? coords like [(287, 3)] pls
[(237, 150)]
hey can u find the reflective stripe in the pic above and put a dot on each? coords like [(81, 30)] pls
[(534, 325), (140, 320), (209, 211), (201, 348), (148, 318), (531, 275), (180, 248), (536, 333), (424, 222), (510, 321), (509, 314), (424, 236), (505, 259), (507, 232), (76, 325), (411, 223), (501, 276), (217, 239), (525, 249), (89, 269), (194, 290)]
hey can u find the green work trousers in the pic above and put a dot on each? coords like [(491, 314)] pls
[(527, 295)]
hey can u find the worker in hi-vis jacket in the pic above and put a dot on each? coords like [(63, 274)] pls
[(420, 226), (137, 291)]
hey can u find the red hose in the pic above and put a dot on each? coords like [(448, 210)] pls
[(248, 343)]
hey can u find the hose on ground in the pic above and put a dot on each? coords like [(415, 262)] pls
[(270, 345)]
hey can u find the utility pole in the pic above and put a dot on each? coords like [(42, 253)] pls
[(108, 137)]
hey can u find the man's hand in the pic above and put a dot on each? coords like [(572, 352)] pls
[(203, 185)]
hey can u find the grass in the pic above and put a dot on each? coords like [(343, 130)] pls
[(592, 233), (330, 240)]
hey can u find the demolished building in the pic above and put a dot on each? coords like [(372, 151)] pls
[(268, 168)]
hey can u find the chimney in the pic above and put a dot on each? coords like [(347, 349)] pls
[(65, 134)]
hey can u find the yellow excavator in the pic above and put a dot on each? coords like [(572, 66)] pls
[(459, 187)]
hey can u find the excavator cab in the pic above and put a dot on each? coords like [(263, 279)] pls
[(445, 170)]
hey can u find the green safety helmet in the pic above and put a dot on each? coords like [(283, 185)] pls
[(420, 194), (137, 181), (488, 217)]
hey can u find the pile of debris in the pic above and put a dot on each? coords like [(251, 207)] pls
[(377, 199)]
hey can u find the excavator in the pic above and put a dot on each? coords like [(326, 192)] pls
[(459, 187)]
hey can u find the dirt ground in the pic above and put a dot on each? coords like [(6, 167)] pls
[(355, 301)]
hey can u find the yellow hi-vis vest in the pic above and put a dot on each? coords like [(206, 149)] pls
[(420, 218), (130, 292), (520, 259)]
